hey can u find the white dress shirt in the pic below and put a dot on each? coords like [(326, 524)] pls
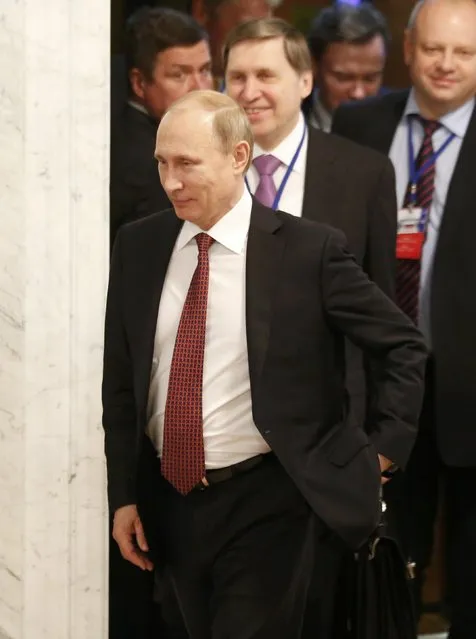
[(293, 194), (230, 436)]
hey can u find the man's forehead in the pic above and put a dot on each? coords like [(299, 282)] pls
[(246, 52), (344, 53), (186, 55), (180, 122)]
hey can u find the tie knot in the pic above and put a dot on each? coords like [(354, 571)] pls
[(204, 241), (266, 164), (429, 126)]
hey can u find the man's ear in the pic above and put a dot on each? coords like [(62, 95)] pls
[(241, 157), (307, 82), (137, 82), (408, 45)]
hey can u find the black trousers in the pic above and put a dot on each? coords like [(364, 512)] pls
[(239, 555), (413, 498)]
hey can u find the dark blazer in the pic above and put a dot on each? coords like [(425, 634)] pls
[(453, 300), (353, 189), (304, 292), (135, 188)]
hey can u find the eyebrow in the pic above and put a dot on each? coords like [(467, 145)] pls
[(189, 67), (178, 158)]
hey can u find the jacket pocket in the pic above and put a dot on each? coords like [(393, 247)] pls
[(343, 445)]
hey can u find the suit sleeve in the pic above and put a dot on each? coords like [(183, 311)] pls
[(119, 412), (380, 258), (357, 308)]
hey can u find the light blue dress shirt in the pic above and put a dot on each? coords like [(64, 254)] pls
[(454, 122)]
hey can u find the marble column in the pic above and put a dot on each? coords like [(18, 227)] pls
[(54, 139)]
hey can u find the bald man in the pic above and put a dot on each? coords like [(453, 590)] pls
[(231, 464), (435, 125)]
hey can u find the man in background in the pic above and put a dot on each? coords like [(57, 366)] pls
[(430, 135), (219, 17), (349, 48), (167, 55)]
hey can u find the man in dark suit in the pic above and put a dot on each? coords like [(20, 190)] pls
[(231, 461), (167, 55), (316, 176), (439, 115)]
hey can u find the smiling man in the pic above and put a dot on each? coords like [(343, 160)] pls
[(430, 135), (312, 174), (306, 172)]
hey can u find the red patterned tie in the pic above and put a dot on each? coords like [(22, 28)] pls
[(408, 271), (183, 453)]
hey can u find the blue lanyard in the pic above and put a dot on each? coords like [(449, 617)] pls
[(282, 186), (415, 175)]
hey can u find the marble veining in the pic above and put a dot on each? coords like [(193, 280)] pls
[(54, 141)]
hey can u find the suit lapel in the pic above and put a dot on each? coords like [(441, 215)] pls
[(263, 256), (150, 281)]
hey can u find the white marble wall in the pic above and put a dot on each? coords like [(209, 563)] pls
[(54, 135)]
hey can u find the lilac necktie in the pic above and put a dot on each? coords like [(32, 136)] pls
[(266, 165)]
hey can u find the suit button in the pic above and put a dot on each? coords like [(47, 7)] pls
[(267, 432)]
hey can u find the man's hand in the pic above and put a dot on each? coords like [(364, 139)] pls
[(129, 535), (385, 464)]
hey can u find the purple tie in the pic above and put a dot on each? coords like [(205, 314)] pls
[(266, 165)]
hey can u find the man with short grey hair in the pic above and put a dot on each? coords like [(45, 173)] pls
[(232, 462), (349, 47)]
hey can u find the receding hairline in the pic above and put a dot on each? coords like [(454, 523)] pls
[(215, 108), (412, 20), (207, 101)]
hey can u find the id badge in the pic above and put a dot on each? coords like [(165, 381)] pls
[(411, 233)]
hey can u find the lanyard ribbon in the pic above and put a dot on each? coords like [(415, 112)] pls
[(417, 174), (285, 179)]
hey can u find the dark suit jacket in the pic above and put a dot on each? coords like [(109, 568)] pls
[(135, 188), (353, 189), (453, 300), (304, 292)]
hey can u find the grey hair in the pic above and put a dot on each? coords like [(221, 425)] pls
[(414, 14)]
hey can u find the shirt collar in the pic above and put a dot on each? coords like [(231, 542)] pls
[(287, 148), (230, 231), (138, 107), (456, 121)]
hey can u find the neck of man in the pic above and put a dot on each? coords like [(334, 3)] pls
[(223, 207), (432, 110), (274, 138)]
